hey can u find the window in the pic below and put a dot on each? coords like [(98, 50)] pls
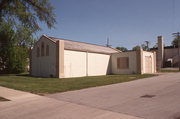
[(38, 51), (42, 49), (122, 63), (47, 50)]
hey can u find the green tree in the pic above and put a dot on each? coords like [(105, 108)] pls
[(136, 48), (27, 13), (175, 42), (25, 16), (123, 49), (19, 22), (13, 58), (145, 45)]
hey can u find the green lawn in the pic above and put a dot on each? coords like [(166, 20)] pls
[(52, 85), (170, 71)]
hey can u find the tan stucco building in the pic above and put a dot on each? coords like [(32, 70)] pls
[(54, 57)]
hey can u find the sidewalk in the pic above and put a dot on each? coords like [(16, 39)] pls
[(25, 105)]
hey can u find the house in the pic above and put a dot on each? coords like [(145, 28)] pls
[(54, 57)]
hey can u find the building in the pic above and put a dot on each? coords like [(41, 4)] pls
[(167, 56), (54, 57)]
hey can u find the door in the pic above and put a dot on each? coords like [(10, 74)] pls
[(148, 64)]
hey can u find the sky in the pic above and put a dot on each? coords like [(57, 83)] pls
[(126, 23)]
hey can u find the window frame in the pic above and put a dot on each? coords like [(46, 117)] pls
[(42, 49), (47, 50), (123, 63), (38, 52)]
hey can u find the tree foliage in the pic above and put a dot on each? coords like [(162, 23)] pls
[(137, 47), (123, 49), (27, 13), (19, 22), (175, 42), (25, 16), (13, 58), (145, 45)]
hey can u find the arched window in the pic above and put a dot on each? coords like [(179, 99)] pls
[(38, 51), (47, 50), (42, 49)]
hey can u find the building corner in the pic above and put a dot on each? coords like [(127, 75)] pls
[(60, 59)]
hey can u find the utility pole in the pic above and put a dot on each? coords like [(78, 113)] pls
[(108, 43), (177, 35)]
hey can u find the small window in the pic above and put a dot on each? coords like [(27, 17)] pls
[(42, 49), (47, 50), (122, 63), (38, 51)]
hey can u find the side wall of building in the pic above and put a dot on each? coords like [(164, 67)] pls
[(140, 62), (148, 62), (98, 64), (132, 65), (43, 65), (74, 63), (171, 53), (78, 64)]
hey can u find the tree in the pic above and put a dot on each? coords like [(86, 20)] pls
[(13, 58), (19, 22), (145, 46), (24, 17), (175, 42), (136, 48), (27, 13), (123, 49), (156, 45)]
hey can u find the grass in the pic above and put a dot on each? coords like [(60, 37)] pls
[(170, 71), (52, 85), (3, 99)]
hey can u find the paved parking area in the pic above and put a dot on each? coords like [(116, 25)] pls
[(23, 105), (150, 98)]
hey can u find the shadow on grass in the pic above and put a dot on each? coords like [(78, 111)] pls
[(21, 74), (26, 75)]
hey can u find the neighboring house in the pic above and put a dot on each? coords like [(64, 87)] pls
[(54, 57)]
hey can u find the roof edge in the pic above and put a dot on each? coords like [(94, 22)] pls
[(85, 43)]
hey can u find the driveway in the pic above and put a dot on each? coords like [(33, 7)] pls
[(23, 105), (150, 98)]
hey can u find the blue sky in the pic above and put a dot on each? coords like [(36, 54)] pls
[(126, 22)]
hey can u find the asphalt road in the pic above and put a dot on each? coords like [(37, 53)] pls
[(150, 98)]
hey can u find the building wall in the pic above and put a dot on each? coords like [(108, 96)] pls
[(98, 64), (74, 63), (44, 66), (151, 64), (78, 64), (64, 63), (171, 53), (132, 56)]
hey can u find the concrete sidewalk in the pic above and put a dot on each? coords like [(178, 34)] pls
[(25, 105)]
